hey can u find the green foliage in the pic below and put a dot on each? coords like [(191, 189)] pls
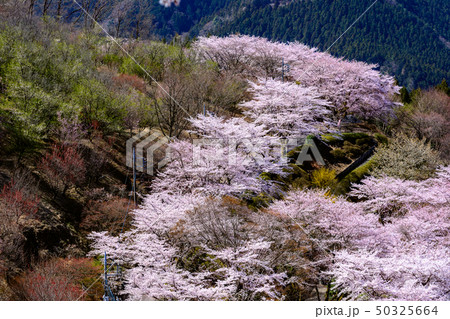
[(352, 150), (405, 157), (348, 145), (112, 60), (443, 86), (259, 201), (332, 139), (297, 177), (333, 293), (302, 182), (99, 105), (339, 154), (382, 139), (39, 75), (195, 259), (44, 71), (18, 137), (128, 66), (364, 142), (404, 95), (415, 94), (294, 152), (352, 137), (323, 178)]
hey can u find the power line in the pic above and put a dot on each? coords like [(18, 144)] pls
[(87, 289), (131, 57)]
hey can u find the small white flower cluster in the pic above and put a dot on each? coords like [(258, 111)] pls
[(168, 3)]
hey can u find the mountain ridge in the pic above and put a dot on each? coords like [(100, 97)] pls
[(407, 39), (409, 49)]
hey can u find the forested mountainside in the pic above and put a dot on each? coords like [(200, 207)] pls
[(407, 39), (327, 182)]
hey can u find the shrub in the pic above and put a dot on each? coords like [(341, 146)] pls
[(352, 150), (332, 139), (60, 280), (63, 167), (112, 60), (17, 200), (429, 118), (18, 204), (364, 142), (301, 183), (382, 139), (405, 157), (352, 137), (323, 177), (106, 214), (338, 154)]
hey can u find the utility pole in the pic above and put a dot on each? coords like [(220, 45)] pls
[(105, 273), (108, 295), (134, 176)]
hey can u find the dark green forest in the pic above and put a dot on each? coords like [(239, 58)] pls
[(407, 39), (402, 38)]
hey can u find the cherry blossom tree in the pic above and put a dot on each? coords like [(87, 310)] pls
[(155, 273), (228, 158), (193, 239), (168, 3), (422, 274), (391, 245), (70, 131), (406, 260), (351, 87), (186, 247), (332, 223), (252, 56), (287, 109), (381, 192)]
